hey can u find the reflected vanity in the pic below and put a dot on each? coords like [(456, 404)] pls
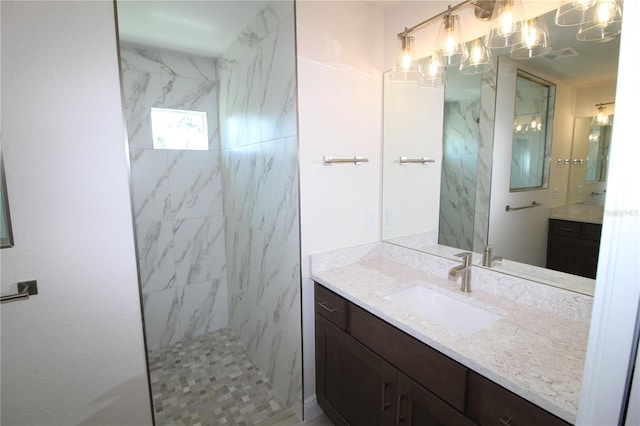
[(490, 121)]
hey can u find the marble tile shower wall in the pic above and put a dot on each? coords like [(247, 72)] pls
[(260, 174), (177, 198), (459, 170)]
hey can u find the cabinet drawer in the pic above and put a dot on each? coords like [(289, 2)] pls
[(591, 231), (331, 306), (491, 404), (428, 367), (565, 228)]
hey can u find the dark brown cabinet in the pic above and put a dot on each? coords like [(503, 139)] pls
[(573, 247), (370, 373)]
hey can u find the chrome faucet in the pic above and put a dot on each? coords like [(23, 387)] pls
[(487, 258), (463, 271)]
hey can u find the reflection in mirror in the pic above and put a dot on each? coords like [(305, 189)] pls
[(532, 123), (583, 74), (598, 154), (6, 234)]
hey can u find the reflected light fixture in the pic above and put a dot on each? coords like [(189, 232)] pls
[(405, 67), (479, 59), (450, 45), (431, 72), (534, 40), (574, 13), (506, 24), (605, 22), (601, 118)]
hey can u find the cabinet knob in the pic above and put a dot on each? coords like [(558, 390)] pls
[(505, 421)]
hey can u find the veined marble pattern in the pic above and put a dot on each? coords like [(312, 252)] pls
[(177, 198), (260, 186), (485, 161), (459, 169)]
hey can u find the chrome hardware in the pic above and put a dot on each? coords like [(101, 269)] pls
[(423, 160), (505, 421), (464, 271), (487, 258), (324, 306), (511, 209), (355, 160), (25, 289)]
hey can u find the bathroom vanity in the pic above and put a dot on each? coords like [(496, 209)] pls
[(573, 243), (379, 360)]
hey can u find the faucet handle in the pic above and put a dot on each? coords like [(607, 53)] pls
[(463, 254), (466, 256)]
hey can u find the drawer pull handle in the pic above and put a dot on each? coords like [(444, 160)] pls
[(385, 404), (566, 229), (400, 418), (505, 421), (327, 308)]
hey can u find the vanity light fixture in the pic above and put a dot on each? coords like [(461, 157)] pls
[(431, 72), (450, 46), (405, 67), (506, 24), (534, 40), (574, 13), (601, 118), (479, 59), (605, 23)]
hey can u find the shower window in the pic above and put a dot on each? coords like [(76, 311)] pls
[(179, 129)]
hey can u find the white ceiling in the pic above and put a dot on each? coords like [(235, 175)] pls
[(204, 28)]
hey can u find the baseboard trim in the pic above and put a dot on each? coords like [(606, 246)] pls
[(311, 408)]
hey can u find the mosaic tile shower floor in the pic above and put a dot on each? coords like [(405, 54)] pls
[(209, 380)]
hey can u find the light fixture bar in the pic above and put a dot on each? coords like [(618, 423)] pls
[(449, 10), (604, 103)]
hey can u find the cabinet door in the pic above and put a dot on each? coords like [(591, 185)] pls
[(417, 406), (353, 385), (491, 404)]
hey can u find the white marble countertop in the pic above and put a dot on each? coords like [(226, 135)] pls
[(536, 349), (578, 213)]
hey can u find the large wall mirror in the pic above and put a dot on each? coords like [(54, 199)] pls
[(473, 127)]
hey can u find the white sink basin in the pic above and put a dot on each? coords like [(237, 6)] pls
[(442, 309)]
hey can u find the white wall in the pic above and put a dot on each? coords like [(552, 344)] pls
[(339, 47), (617, 296), (74, 353)]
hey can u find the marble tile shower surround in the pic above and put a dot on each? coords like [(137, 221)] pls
[(177, 198), (459, 170), (485, 161), (258, 135)]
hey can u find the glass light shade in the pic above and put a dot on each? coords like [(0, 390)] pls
[(479, 59), (450, 45), (605, 23), (535, 40), (601, 118), (574, 13), (431, 72), (506, 24), (405, 68)]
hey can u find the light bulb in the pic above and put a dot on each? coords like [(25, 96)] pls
[(530, 34), (434, 66), (450, 43), (506, 21), (406, 60), (605, 12), (476, 53)]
